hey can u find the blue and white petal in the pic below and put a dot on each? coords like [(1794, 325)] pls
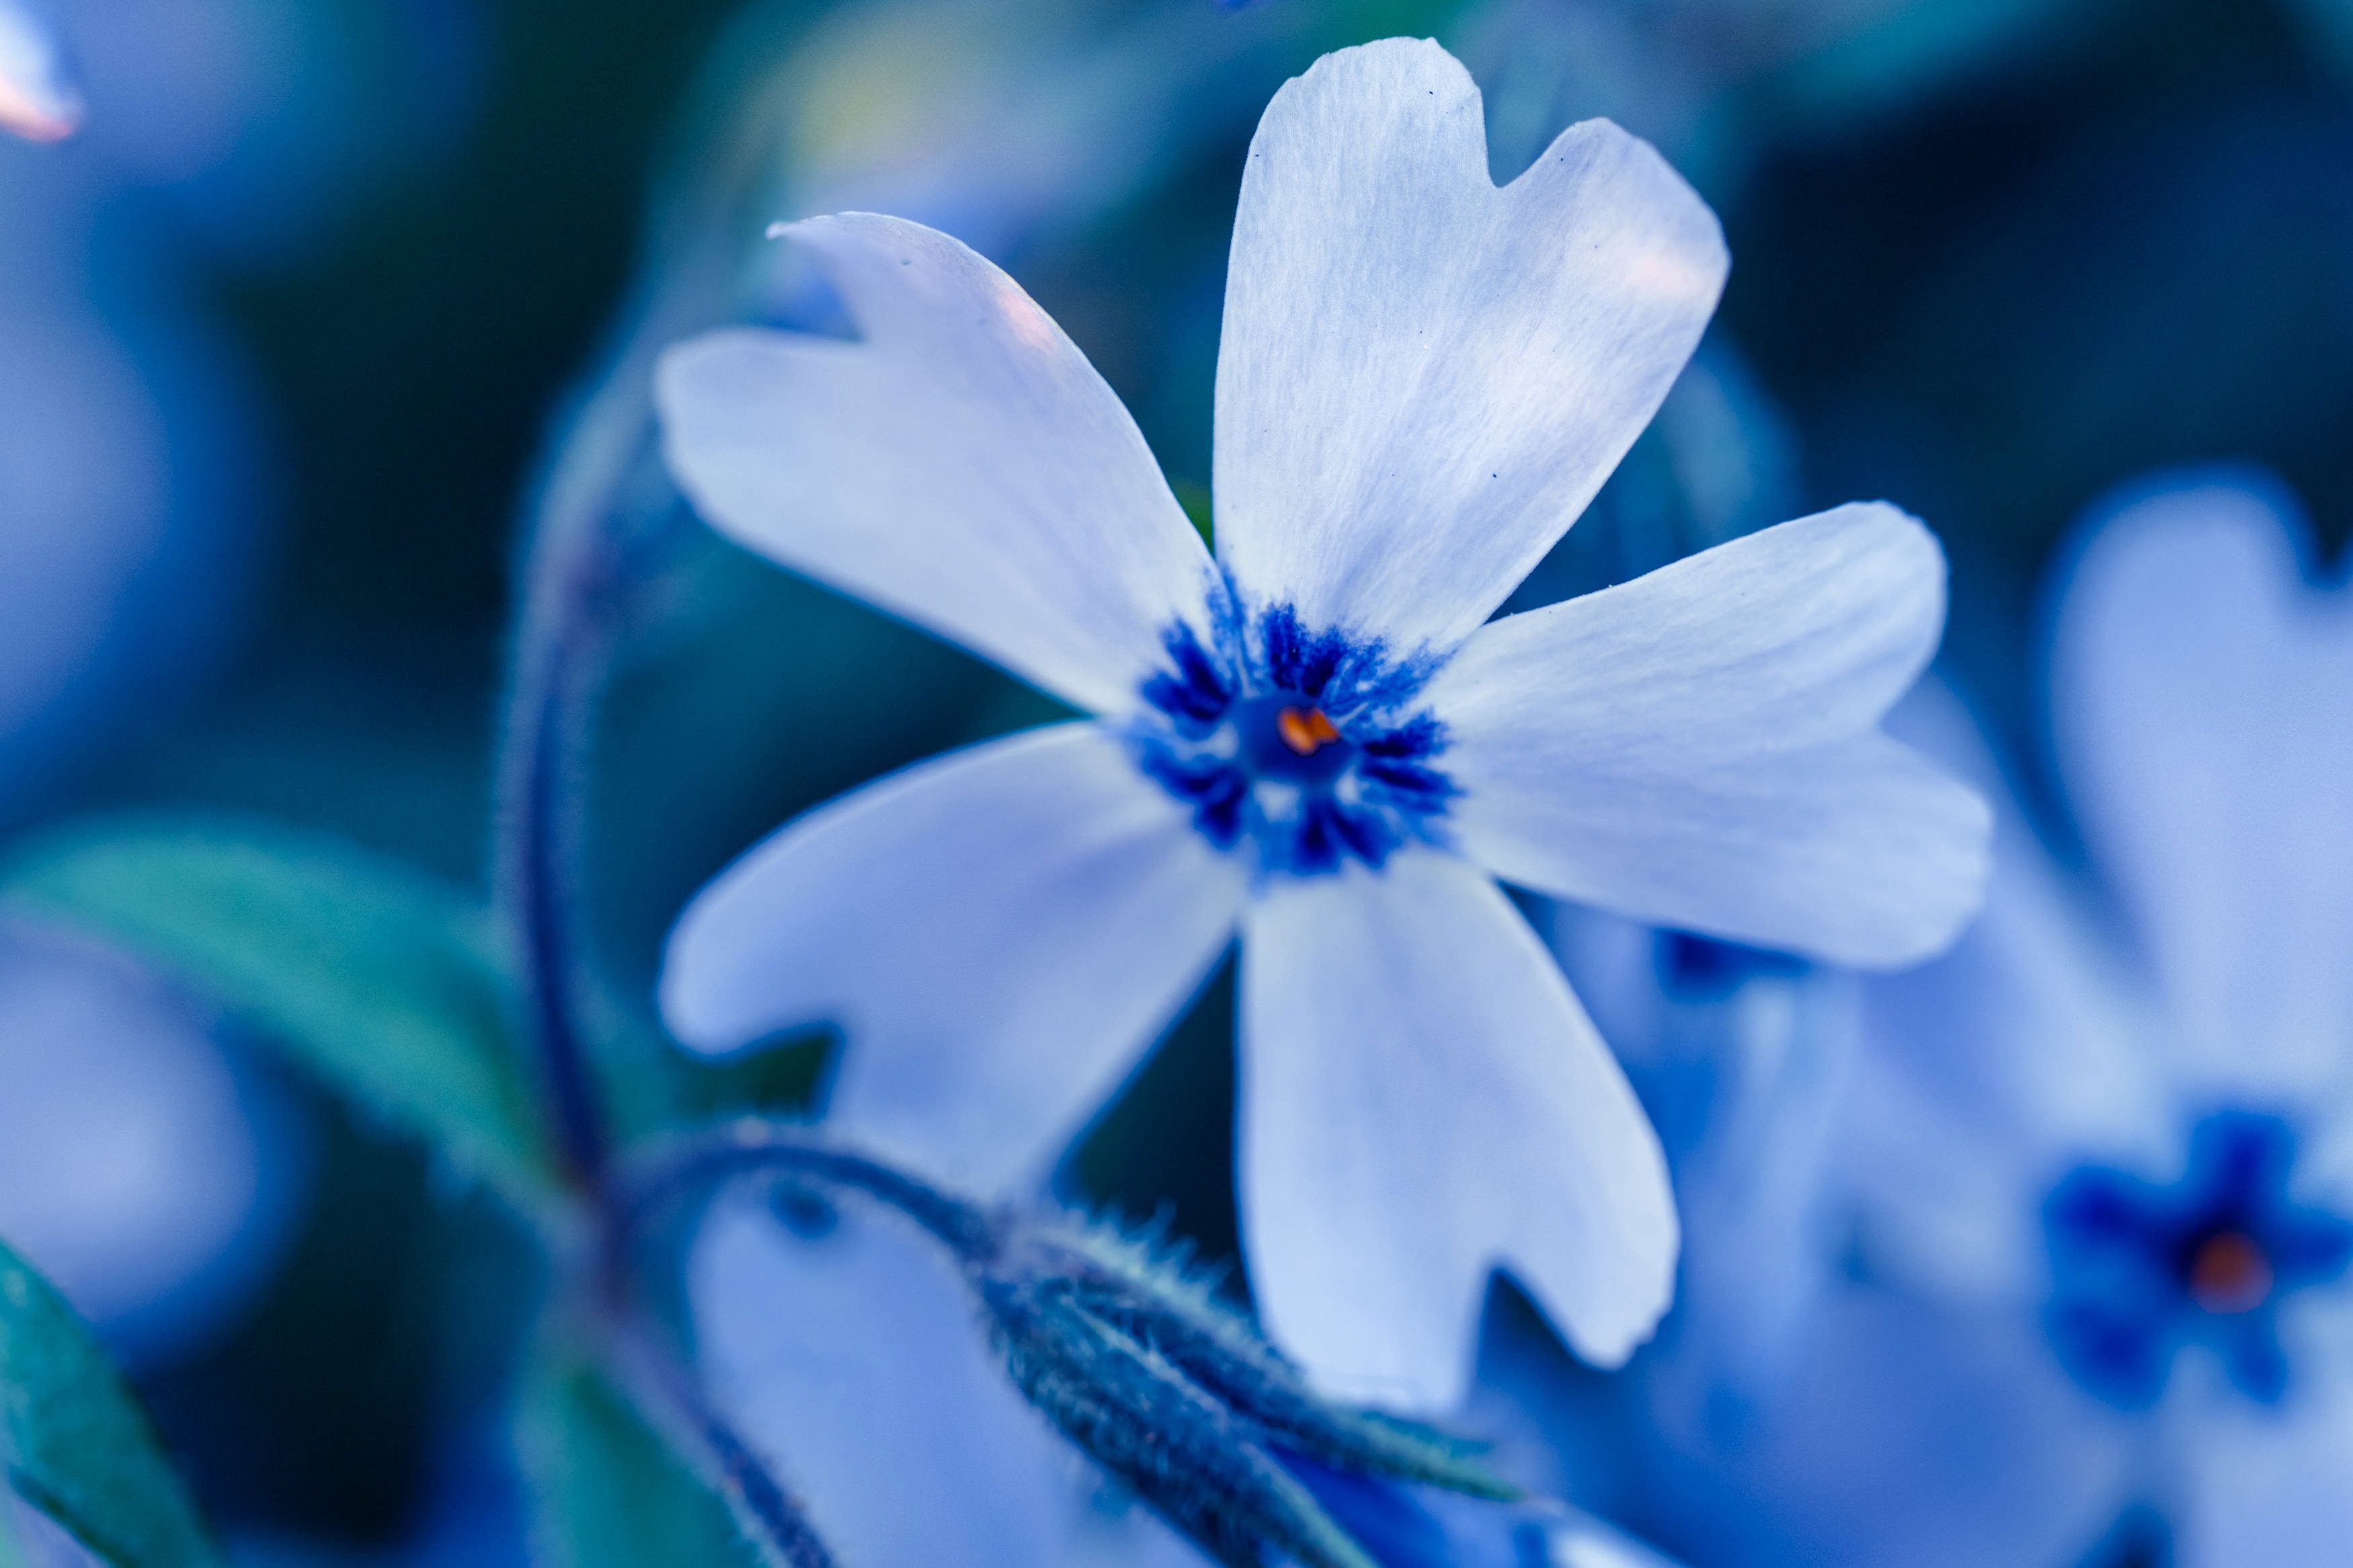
[(962, 466), (1423, 1101), (1696, 748), (2201, 695), (2272, 1487), (1423, 378), (853, 1363), (1993, 1069), (1000, 933), (1853, 1465), (139, 1170)]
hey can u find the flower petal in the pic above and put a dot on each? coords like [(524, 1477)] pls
[(1794, 636), (1694, 748), (2202, 704), (1856, 853), (1423, 379), (1423, 1101), (999, 933), (1993, 1070), (1853, 1461), (964, 465), (854, 1366), (2274, 1485)]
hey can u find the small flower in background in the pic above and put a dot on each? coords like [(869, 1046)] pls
[(1314, 737), (2095, 1163), (139, 1169), (39, 99)]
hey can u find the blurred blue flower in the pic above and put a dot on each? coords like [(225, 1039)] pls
[(139, 1168), (124, 444), (39, 99), (139, 1165), (1314, 737), (1740, 1055), (2094, 1169), (2141, 1271)]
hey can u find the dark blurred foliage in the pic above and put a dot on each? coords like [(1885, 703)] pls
[(1986, 298), (2139, 254)]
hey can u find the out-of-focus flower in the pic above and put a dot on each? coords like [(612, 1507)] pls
[(1314, 737), (39, 99), (121, 435), (255, 123), (139, 1168), (1741, 1058), (2096, 1161)]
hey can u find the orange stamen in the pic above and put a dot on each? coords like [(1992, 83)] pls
[(2229, 1273), (1305, 729)]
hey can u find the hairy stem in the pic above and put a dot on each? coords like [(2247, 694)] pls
[(601, 505)]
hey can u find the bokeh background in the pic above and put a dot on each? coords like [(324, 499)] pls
[(285, 329)]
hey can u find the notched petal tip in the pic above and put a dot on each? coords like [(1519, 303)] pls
[(1382, 285), (1679, 253)]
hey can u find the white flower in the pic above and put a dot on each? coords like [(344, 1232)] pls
[(1318, 737)]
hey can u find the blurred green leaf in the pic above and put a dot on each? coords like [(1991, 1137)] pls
[(379, 979), (79, 1446), (1194, 500), (658, 1086), (611, 1491), (781, 1078)]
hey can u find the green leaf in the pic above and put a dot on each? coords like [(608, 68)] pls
[(1194, 500), (379, 979), (610, 1491), (79, 1446)]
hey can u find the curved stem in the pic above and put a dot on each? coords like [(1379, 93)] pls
[(593, 517), (753, 1145), (552, 700), (663, 1382)]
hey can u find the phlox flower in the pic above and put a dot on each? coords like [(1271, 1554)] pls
[(1316, 738), (2098, 1163)]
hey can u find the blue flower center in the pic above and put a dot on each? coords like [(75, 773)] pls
[(2141, 1271), (1304, 748)]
